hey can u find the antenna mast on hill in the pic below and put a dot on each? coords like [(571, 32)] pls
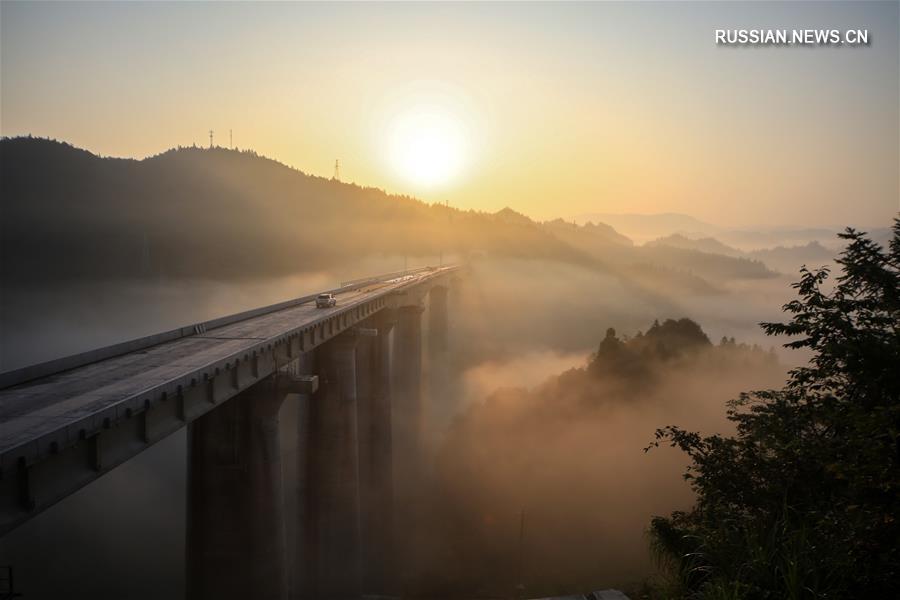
[(210, 138), (337, 170)]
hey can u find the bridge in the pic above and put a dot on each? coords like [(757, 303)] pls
[(356, 371)]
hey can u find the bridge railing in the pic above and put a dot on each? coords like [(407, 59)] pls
[(23, 374), (378, 278)]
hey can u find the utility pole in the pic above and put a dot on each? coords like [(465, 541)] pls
[(210, 138), (337, 170)]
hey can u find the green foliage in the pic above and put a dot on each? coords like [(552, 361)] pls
[(634, 359), (674, 338), (803, 501)]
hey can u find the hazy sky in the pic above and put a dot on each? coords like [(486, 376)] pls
[(552, 109)]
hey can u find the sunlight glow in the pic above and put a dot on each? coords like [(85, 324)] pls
[(427, 146)]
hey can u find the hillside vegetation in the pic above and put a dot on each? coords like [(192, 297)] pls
[(802, 501), (217, 213), (562, 461), (226, 214)]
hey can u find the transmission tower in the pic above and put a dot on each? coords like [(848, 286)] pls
[(337, 170), (210, 138)]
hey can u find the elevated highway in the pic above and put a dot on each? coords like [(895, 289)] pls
[(67, 422)]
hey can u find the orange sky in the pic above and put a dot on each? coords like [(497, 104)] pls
[(562, 109)]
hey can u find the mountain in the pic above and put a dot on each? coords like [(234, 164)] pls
[(651, 227), (589, 237), (219, 213), (605, 231), (508, 216), (643, 228), (714, 267), (751, 240), (707, 244), (662, 263), (224, 214), (790, 259), (784, 259)]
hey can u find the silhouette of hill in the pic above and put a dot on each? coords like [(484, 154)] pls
[(716, 267), (706, 244), (789, 259), (226, 214), (750, 240), (646, 227), (192, 212), (668, 227), (658, 261), (589, 236), (784, 259), (508, 216)]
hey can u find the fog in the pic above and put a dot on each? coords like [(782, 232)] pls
[(506, 436), (45, 321), (577, 471), (564, 455), (123, 536), (509, 308)]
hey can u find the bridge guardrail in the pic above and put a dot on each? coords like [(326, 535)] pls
[(51, 367), (377, 278)]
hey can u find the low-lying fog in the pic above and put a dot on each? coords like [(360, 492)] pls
[(509, 436)]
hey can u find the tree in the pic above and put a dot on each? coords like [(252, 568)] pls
[(673, 338), (804, 500)]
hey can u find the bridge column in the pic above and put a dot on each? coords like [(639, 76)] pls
[(408, 446), (437, 380), (375, 468), (407, 392), (297, 450), (236, 540), (334, 471), (437, 322)]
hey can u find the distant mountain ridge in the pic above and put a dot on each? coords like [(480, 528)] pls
[(641, 227), (197, 212), (606, 244), (706, 244), (593, 233), (219, 213), (786, 259)]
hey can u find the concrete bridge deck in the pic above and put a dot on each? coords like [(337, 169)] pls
[(137, 393)]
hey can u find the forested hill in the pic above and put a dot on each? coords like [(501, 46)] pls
[(220, 213)]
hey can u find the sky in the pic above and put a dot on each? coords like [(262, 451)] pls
[(553, 109)]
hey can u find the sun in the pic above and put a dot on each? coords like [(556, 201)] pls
[(427, 146)]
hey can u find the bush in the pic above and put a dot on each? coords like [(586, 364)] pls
[(802, 502)]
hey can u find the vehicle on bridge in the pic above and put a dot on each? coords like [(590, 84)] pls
[(325, 301)]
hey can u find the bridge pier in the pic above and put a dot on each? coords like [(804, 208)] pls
[(220, 382), (407, 431), (298, 449), (437, 322), (407, 392), (334, 507), (236, 540), (438, 384), (375, 468)]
